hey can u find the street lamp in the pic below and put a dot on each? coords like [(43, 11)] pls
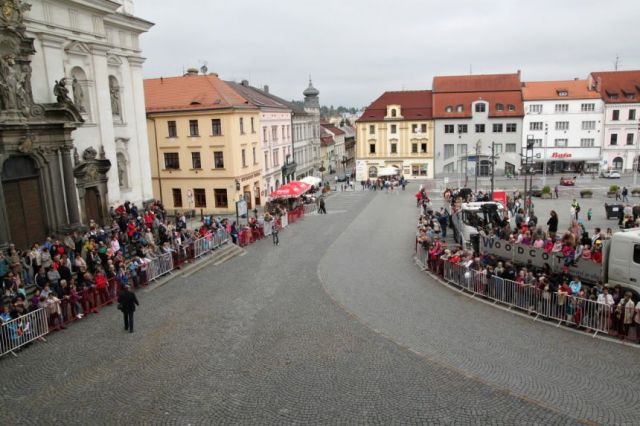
[(528, 159)]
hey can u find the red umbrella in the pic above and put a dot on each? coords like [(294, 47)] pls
[(291, 190)]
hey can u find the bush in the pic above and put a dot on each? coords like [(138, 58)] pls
[(546, 189), (635, 191), (613, 188), (586, 192)]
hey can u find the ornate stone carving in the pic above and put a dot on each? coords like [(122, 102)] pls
[(27, 144), (61, 92), (13, 12), (115, 97), (78, 94), (89, 154)]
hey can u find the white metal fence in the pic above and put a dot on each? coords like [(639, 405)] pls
[(310, 208), (284, 221), (22, 330), (160, 266), (539, 303)]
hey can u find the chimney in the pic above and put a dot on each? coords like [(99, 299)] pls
[(245, 83), (161, 80), (266, 89), (191, 71)]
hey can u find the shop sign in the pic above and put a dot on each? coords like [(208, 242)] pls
[(561, 155)]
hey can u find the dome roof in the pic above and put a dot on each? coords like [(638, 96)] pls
[(311, 91)]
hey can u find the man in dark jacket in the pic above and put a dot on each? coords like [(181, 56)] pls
[(127, 302)]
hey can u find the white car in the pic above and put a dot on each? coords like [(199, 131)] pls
[(611, 174)]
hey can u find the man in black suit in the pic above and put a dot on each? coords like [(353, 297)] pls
[(127, 302)]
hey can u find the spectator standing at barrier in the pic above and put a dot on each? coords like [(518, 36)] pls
[(444, 222), (624, 312), (322, 209), (127, 302)]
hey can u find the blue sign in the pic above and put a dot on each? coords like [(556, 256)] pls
[(472, 158)]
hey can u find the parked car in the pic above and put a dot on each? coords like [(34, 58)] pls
[(536, 191), (610, 174), (342, 178), (565, 181)]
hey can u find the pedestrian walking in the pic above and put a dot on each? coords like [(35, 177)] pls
[(625, 192), (618, 194), (589, 213), (127, 302), (322, 209), (555, 189), (575, 209), (275, 227)]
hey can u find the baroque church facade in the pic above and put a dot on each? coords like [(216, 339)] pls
[(72, 115)]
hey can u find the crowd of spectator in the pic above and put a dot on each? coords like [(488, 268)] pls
[(572, 245), (77, 270)]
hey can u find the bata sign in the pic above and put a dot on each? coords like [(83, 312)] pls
[(561, 155)]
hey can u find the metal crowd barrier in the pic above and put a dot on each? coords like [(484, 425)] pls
[(310, 208), (557, 306), (22, 330), (268, 228), (284, 221), (159, 266)]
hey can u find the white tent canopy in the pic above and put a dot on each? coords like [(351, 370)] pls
[(311, 180), (388, 171)]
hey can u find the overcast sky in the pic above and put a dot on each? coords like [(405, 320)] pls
[(355, 50)]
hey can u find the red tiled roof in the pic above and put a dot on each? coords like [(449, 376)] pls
[(618, 86), (332, 128), (190, 92), (414, 105), (326, 140), (545, 90), (476, 83), (443, 100)]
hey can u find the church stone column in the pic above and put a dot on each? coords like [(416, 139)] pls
[(53, 58), (70, 187), (140, 121)]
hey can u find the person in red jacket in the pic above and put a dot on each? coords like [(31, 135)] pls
[(101, 284)]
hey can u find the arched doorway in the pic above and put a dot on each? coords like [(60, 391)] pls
[(23, 201), (618, 163)]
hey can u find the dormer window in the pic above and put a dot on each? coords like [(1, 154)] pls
[(628, 94), (612, 95), (511, 107), (481, 107), (499, 107), (449, 108), (459, 108), (393, 112), (562, 92)]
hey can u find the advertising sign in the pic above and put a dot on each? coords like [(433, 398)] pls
[(361, 170), (241, 208), (586, 269), (500, 196)]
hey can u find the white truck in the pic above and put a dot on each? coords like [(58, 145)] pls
[(468, 218), (620, 259)]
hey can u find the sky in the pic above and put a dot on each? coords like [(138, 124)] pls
[(355, 50)]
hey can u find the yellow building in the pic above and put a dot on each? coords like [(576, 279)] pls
[(396, 130), (204, 144)]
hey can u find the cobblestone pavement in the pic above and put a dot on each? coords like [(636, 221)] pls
[(571, 373), (257, 340)]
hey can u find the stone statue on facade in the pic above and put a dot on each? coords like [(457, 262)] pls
[(115, 98), (61, 92), (13, 12), (78, 94), (8, 83)]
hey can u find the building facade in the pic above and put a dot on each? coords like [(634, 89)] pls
[(470, 113), (276, 144), (564, 122), (95, 47), (620, 92), (306, 134), (396, 130), (204, 140), (339, 155)]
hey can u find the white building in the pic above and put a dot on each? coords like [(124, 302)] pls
[(620, 91), (275, 134), (471, 112), (564, 121), (94, 46)]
